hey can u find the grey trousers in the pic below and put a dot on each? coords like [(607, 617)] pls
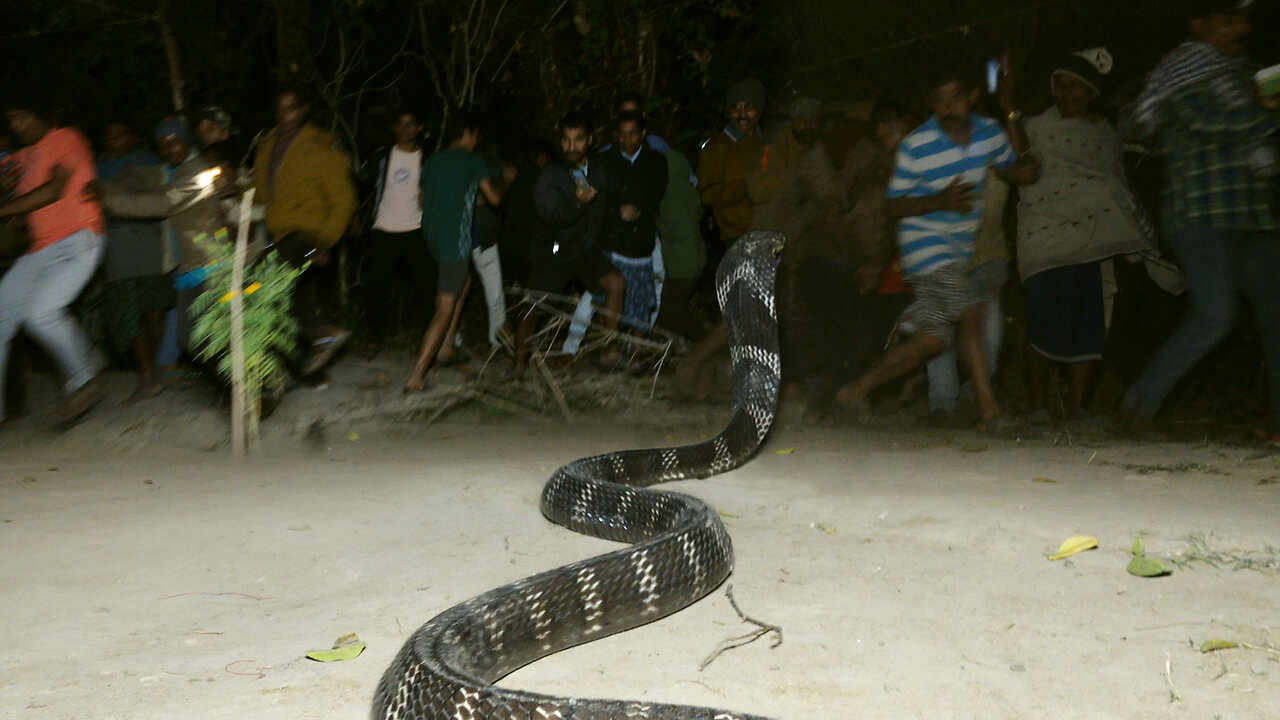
[(34, 296)]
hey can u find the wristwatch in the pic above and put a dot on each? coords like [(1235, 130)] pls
[(1013, 115)]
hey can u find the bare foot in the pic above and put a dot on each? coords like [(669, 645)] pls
[(144, 391), (849, 396), (415, 383), (610, 358)]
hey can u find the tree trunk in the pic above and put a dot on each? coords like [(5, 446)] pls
[(293, 52), (176, 81)]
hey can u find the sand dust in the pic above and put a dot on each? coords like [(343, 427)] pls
[(147, 575)]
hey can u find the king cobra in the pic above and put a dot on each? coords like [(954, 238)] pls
[(679, 550)]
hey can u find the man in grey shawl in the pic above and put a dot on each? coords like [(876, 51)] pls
[(1070, 224)]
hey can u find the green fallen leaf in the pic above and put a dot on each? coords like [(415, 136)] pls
[(1143, 566), (725, 514), (1217, 644), (347, 647), (784, 451), (1139, 548)]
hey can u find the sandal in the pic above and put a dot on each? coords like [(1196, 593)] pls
[(323, 351), (79, 404)]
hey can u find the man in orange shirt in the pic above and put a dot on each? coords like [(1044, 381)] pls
[(66, 227)]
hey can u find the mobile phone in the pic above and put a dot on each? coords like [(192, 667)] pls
[(993, 74)]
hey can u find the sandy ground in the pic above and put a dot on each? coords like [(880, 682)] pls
[(147, 575)]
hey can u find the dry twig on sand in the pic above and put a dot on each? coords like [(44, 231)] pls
[(763, 629)]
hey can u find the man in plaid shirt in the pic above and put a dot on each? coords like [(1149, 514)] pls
[(1219, 204)]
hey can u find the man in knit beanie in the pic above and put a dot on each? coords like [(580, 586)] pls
[(730, 156)]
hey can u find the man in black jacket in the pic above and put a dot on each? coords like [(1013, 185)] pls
[(641, 174), (573, 197)]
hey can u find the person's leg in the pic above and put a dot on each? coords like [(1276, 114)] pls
[(545, 276), (449, 346), (151, 329), (424, 272), (383, 250), (15, 289), (1035, 367), (1205, 256), (431, 341), (615, 290), (897, 361), (659, 280), (168, 347), (944, 381), (65, 268), (1082, 376), (970, 350), (524, 331), (489, 268), (1257, 261), (639, 300), (674, 314), (992, 332), (582, 314)]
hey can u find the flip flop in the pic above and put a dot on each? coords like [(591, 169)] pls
[(323, 351)]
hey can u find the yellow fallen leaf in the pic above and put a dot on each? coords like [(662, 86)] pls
[(1075, 544), (353, 436), (1217, 644), (824, 527), (725, 514), (784, 451), (1045, 480)]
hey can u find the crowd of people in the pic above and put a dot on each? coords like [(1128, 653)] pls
[(897, 228)]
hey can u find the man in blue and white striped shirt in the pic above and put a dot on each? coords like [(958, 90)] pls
[(938, 180)]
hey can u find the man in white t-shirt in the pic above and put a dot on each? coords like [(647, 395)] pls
[(396, 228)]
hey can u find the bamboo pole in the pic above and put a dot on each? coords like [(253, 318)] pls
[(238, 405)]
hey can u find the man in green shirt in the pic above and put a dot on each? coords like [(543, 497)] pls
[(450, 180)]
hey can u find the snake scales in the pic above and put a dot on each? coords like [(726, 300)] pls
[(679, 550)]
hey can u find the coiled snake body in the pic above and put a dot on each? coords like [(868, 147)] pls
[(679, 549)]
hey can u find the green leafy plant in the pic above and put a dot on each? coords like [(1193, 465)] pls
[(270, 332)]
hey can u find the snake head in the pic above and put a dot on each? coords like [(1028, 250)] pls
[(763, 242)]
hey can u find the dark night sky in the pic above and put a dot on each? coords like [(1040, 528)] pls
[(833, 49)]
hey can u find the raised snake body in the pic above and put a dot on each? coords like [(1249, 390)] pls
[(679, 550)]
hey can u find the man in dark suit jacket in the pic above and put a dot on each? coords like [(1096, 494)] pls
[(573, 196), (641, 176)]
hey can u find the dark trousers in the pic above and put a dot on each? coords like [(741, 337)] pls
[(385, 250), (674, 313), (1219, 265)]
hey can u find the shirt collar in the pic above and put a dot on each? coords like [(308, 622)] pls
[(734, 135)]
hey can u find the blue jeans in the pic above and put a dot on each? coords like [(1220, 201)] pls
[(34, 295), (586, 309), (1218, 264), (944, 376)]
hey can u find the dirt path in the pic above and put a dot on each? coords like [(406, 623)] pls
[(148, 576)]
